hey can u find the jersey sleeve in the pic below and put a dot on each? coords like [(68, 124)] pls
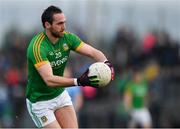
[(37, 54), (75, 42)]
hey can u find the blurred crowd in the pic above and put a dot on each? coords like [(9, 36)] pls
[(155, 54)]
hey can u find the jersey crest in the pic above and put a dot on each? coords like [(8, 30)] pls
[(65, 47)]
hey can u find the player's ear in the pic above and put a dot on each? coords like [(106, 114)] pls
[(47, 25)]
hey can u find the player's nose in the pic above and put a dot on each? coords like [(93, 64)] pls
[(63, 26)]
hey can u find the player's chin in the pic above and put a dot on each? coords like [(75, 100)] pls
[(61, 34)]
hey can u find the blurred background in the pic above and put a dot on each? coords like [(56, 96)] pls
[(134, 34)]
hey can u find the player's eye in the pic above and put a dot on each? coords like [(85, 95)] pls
[(60, 23)]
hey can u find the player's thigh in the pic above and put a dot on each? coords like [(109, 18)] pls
[(146, 118), (41, 114), (66, 116), (54, 124)]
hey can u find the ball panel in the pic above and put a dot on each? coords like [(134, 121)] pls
[(102, 71)]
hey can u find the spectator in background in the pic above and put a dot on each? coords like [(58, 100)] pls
[(124, 42), (135, 100), (6, 119), (15, 92), (148, 43)]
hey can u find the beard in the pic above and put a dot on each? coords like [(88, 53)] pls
[(56, 34)]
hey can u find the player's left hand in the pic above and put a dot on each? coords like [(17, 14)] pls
[(85, 80), (112, 69)]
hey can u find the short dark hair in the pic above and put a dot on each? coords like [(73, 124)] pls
[(48, 13)]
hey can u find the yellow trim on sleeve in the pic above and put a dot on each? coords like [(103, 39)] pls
[(38, 52), (36, 47), (41, 63), (80, 45), (34, 51)]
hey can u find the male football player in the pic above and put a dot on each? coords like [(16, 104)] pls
[(47, 101)]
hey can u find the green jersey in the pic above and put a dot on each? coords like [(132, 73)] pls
[(41, 51), (138, 92)]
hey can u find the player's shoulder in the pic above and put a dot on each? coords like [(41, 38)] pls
[(39, 36), (37, 40)]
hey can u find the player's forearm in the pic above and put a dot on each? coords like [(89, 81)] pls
[(52, 80), (57, 81), (99, 56), (93, 53)]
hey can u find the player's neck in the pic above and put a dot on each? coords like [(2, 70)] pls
[(51, 37)]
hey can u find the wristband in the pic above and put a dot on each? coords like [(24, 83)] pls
[(75, 82)]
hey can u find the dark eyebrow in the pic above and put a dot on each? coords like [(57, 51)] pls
[(61, 22)]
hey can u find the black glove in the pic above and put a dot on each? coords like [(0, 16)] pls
[(112, 69), (84, 80)]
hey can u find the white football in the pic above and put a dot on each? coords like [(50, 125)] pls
[(102, 71)]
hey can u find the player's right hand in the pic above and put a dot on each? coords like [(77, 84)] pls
[(85, 80)]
